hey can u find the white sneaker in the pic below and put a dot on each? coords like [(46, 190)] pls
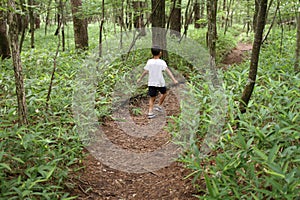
[(151, 115), (158, 108)]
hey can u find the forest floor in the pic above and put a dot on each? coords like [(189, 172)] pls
[(97, 181)]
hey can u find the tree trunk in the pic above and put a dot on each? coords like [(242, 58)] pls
[(4, 44), (260, 25), (188, 16), (255, 15), (248, 18), (197, 14), (158, 25), (80, 26), (227, 16), (224, 11), (175, 18), (297, 60), (212, 27), (212, 6), (62, 24), (202, 9), (128, 15), (101, 29), (14, 42), (31, 22), (47, 21), (23, 24), (138, 17)]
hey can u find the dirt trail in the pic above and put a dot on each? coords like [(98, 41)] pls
[(237, 55), (100, 182)]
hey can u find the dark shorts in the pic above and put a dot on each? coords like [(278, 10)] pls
[(153, 91)]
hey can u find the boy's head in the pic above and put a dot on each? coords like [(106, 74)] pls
[(155, 50)]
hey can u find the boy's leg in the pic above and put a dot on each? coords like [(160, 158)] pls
[(163, 91), (162, 98), (151, 104), (152, 93)]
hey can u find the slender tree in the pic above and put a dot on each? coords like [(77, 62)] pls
[(212, 27), (297, 60), (138, 17), (228, 10), (4, 44), (101, 28), (158, 25), (260, 25), (197, 14), (80, 25), (23, 24), (255, 15), (212, 38), (14, 43), (47, 21), (175, 18), (31, 22), (128, 15)]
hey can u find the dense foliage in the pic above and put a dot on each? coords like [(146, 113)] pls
[(35, 160), (256, 157)]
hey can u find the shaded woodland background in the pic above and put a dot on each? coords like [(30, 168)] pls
[(44, 43)]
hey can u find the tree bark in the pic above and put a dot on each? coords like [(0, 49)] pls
[(23, 24), (62, 16), (80, 26), (47, 20), (197, 14), (14, 42), (4, 44), (297, 60), (101, 29), (212, 6), (212, 27), (175, 18), (128, 15), (260, 25), (31, 22), (158, 25), (255, 15), (138, 17), (227, 16), (224, 4)]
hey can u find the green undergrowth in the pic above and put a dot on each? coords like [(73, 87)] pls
[(35, 160), (257, 154), (258, 160)]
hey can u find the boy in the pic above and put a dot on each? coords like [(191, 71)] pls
[(156, 83)]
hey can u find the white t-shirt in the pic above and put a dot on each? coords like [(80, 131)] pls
[(155, 68)]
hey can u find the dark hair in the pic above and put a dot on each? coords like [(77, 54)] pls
[(155, 50)]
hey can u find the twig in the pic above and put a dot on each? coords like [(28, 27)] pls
[(82, 190), (53, 73)]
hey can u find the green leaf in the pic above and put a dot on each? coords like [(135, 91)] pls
[(211, 186), (242, 141), (6, 166), (254, 197), (274, 173), (273, 152), (260, 153), (18, 159)]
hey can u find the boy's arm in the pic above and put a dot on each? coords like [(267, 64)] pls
[(142, 76), (171, 75)]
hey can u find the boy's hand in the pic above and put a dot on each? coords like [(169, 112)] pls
[(175, 82), (139, 80)]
